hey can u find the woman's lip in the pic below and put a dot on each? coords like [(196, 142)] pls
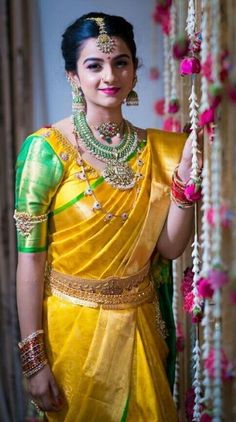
[(110, 91)]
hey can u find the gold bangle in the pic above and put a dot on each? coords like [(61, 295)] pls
[(29, 338), (177, 180)]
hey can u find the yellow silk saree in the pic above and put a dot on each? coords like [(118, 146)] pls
[(109, 361)]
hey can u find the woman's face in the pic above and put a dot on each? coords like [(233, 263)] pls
[(105, 78)]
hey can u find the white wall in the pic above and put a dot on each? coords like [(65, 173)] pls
[(52, 99)]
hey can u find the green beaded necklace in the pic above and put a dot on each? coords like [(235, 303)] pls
[(117, 172), (106, 153)]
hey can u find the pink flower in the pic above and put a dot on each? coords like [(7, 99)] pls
[(161, 15), (226, 216), (189, 66), (188, 302), (173, 105), (163, 5), (159, 106), (207, 116), (217, 278), (226, 367), (210, 216), (165, 23), (205, 289), (193, 192), (171, 125), (180, 47), (188, 296), (154, 73), (205, 417), (187, 281), (206, 69)]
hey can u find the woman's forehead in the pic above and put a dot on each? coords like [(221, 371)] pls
[(90, 49)]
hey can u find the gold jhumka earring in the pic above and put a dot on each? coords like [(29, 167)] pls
[(132, 98), (78, 100)]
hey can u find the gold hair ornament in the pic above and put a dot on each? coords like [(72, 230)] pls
[(105, 43)]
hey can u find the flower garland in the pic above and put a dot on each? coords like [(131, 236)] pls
[(165, 15), (191, 65), (200, 53), (175, 313)]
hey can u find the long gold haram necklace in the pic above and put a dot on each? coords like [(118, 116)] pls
[(117, 172), (89, 191)]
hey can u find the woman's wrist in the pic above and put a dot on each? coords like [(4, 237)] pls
[(32, 353), (184, 171)]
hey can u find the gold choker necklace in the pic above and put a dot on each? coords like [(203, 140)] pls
[(109, 130)]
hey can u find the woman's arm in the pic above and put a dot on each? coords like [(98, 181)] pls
[(30, 286), (178, 226)]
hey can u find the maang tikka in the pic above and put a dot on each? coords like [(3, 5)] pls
[(78, 100), (105, 43), (132, 97)]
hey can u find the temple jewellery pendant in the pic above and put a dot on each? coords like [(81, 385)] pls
[(119, 175)]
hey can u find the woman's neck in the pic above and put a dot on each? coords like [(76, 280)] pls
[(97, 117)]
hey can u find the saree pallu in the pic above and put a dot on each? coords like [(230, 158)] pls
[(110, 364)]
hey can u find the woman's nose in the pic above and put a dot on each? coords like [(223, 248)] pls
[(108, 75)]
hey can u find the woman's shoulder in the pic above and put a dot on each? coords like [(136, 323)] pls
[(163, 134), (52, 139), (142, 133)]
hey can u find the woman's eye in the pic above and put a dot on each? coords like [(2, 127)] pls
[(94, 66), (121, 63)]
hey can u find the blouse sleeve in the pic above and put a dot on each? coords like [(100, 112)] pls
[(39, 172)]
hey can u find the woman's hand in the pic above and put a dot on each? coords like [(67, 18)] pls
[(184, 169), (44, 391)]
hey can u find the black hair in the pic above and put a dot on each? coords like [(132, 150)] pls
[(82, 29)]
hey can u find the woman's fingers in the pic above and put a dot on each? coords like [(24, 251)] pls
[(55, 392), (44, 391), (48, 404)]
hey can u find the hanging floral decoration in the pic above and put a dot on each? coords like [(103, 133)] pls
[(180, 47), (159, 107), (199, 54), (226, 367), (165, 15), (217, 277), (226, 216), (172, 124), (189, 306), (190, 64), (161, 15)]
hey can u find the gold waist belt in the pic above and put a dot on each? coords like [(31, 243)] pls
[(109, 293)]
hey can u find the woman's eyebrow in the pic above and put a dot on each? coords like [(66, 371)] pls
[(101, 60), (93, 59)]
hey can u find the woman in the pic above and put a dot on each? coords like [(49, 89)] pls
[(93, 210)]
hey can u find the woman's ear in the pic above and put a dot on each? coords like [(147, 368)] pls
[(73, 78)]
